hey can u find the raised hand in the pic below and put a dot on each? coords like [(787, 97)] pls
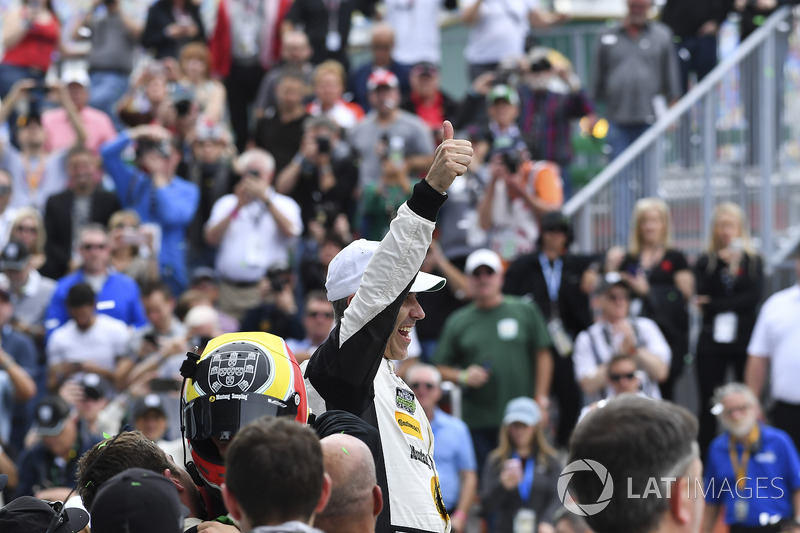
[(450, 161)]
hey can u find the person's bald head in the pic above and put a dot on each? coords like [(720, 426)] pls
[(355, 495)]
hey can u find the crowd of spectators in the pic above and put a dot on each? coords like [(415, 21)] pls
[(174, 173)]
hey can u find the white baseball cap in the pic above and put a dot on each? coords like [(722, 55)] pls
[(483, 257), (347, 269)]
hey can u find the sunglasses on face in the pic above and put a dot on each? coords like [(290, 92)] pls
[(93, 246), (5, 189), (483, 272), (122, 225), (317, 314), (27, 229), (418, 384), (619, 377)]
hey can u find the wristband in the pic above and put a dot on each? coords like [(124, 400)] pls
[(461, 515), (462, 378), (298, 159)]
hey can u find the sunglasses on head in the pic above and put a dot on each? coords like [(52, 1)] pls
[(419, 384), (619, 377)]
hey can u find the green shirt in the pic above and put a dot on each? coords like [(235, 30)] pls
[(504, 340)]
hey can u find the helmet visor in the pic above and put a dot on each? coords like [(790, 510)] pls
[(221, 419)]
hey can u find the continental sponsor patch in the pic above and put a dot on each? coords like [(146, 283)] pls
[(408, 424)]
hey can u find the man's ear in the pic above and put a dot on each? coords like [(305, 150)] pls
[(231, 504), (680, 502), (175, 479), (377, 501), (350, 299), (325, 495)]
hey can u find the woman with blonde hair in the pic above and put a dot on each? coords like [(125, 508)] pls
[(519, 479), (131, 247), (659, 278), (730, 281), (330, 81), (28, 228)]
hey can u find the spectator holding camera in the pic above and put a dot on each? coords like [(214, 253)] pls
[(31, 34), (322, 176), (146, 99), (387, 119), (156, 194), (114, 38), (518, 193), (546, 115), (68, 212), (208, 94), (133, 249), (278, 311), (170, 25), (253, 228), (36, 175)]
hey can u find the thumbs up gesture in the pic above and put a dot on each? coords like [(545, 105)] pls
[(451, 159)]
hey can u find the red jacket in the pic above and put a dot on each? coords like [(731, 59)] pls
[(220, 42)]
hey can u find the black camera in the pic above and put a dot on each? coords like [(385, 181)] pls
[(511, 159), (323, 144), (200, 341), (278, 276), (183, 107), (152, 145)]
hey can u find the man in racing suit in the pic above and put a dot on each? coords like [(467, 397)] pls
[(373, 288)]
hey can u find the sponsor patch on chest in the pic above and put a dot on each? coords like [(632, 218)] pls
[(405, 400)]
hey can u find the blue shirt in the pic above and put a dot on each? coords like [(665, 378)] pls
[(452, 453), (119, 298), (773, 473), (22, 348), (172, 207)]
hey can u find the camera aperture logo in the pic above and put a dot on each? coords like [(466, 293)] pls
[(588, 509)]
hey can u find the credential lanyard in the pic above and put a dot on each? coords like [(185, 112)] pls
[(526, 484), (552, 275)]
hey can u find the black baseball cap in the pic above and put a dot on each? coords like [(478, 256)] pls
[(94, 386), (29, 515), (145, 403), (138, 501), (52, 414), (555, 221), (14, 256), (200, 274)]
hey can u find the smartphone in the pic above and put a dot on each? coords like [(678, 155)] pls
[(165, 385)]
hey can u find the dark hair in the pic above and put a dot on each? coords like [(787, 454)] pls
[(558, 221), (316, 295), (151, 287), (107, 459), (339, 307), (274, 469), (76, 150), (80, 295), (636, 439)]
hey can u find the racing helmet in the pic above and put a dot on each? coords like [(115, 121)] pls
[(239, 378)]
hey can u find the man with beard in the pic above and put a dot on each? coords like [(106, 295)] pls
[(752, 469)]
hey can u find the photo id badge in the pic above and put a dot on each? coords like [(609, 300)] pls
[(725, 325), (333, 41), (740, 509), (560, 338)]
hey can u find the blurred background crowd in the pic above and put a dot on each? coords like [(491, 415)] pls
[(174, 170)]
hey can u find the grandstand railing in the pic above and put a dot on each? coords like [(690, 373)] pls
[(733, 137)]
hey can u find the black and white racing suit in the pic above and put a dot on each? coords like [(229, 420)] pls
[(349, 372)]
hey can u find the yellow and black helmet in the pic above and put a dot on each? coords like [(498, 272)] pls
[(238, 378)]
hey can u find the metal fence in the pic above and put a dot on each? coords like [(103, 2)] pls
[(733, 137)]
